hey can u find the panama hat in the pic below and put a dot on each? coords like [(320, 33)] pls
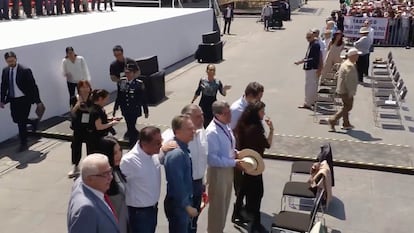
[(353, 51), (363, 30), (253, 162)]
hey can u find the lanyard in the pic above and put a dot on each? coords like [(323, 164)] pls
[(226, 132)]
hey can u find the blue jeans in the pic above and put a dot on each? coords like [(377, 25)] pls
[(178, 219), (197, 192), (143, 220)]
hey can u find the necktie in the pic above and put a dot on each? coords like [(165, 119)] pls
[(108, 201), (11, 84)]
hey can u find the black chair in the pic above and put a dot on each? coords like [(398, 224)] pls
[(153, 78), (211, 37), (210, 53), (304, 167), (211, 50), (297, 221)]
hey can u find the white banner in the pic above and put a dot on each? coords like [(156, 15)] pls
[(353, 24)]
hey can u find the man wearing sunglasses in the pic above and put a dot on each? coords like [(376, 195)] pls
[(90, 209)]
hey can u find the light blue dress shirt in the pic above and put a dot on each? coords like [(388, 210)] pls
[(221, 145)]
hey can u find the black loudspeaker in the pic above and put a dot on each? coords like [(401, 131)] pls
[(148, 65), (210, 53), (211, 37), (154, 80)]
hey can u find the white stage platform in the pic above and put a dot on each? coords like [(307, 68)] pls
[(170, 33)]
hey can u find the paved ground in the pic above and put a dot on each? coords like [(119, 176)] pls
[(36, 193)]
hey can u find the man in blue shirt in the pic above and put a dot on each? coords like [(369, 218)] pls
[(221, 159), (178, 171)]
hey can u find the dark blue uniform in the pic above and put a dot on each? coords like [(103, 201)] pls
[(132, 100)]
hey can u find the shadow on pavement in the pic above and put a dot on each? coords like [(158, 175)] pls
[(336, 209), (31, 157), (360, 135)]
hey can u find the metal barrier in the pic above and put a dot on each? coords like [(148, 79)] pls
[(399, 33)]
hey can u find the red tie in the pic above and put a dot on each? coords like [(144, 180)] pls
[(108, 201)]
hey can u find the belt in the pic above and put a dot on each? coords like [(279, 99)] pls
[(144, 208), (198, 180)]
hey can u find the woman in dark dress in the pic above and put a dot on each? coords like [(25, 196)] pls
[(99, 124), (249, 133), (79, 109), (110, 147), (208, 88)]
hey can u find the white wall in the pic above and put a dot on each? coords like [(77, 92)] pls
[(172, 39)]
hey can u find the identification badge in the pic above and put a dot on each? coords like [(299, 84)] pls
[(85, 118)]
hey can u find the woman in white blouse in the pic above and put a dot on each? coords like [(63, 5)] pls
[(74, 69)]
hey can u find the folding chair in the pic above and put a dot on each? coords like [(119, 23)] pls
[(385, 93), (304, 167), (300, 190), (383, 69), (296, 221), (389, 109), (382, 61)]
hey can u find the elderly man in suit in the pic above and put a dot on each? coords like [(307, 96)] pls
[(19, 88), (346, 89), (90, 209)]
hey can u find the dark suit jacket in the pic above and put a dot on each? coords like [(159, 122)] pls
[(225, 13), (87, 213), (25, 82)]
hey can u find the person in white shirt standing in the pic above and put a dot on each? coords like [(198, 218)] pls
[(198, 153), (367, 24), (142, 169), (252, 94), (74, 69)]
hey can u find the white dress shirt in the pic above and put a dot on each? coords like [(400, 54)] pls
[(198, 151), (17, 92), (237, 109), (77, 70), (143, 175)]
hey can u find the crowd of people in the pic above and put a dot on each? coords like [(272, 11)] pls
[(120, 193), (327, 51), (400, 14), (117, 193), (48, 7)]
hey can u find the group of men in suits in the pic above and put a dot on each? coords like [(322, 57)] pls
[(18, 87)]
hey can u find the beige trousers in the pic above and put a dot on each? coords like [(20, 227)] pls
[(220, 185), (311, 87)]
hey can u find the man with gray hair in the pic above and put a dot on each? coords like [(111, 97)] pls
[(221, 158), (198, 153), (90, 209)]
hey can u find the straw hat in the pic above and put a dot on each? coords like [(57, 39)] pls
[(363, 30), (253, 162)]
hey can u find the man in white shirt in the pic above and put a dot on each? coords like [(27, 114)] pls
[(228, 14), (252, 94), (142, 169), (198, 151), (367, 24), (90, 209)]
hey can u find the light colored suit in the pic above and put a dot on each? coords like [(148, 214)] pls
[(87, 213)]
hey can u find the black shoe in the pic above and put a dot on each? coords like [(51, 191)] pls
[(35, 124), (238, 219), (258, 229)]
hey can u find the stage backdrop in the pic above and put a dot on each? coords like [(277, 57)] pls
[(170, 38)]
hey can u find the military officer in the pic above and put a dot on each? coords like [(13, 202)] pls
[(131, 99)]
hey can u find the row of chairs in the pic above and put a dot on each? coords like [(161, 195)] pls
[(326, 102), (295, 221), (388, 90)]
